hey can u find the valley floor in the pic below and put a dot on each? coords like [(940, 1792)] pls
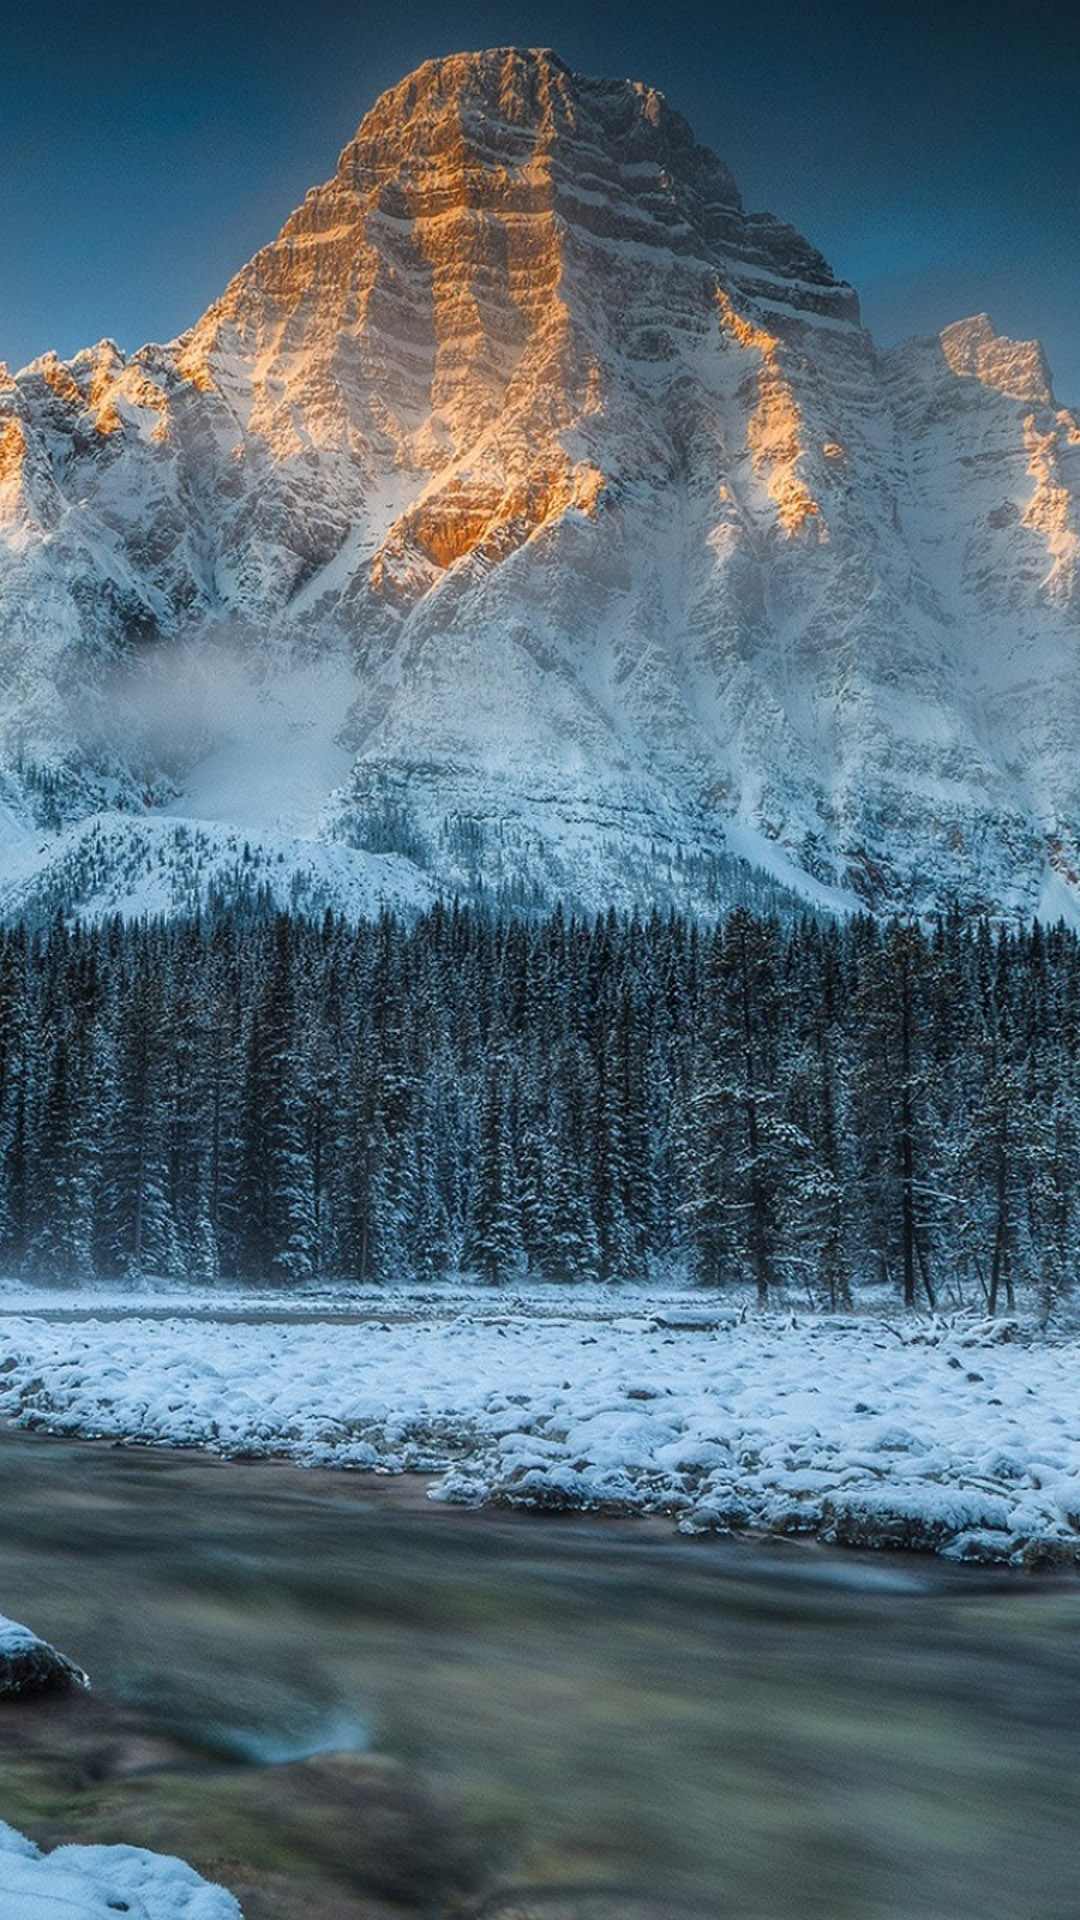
[(956, 1435)]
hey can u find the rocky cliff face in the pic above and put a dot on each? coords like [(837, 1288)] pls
[(530, 516)]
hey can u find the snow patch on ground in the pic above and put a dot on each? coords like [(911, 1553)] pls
[(961, 1437), (97, 1883)]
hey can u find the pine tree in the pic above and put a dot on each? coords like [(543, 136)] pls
[(494, 1246)]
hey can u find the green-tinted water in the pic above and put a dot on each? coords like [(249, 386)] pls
[(344, 1701)]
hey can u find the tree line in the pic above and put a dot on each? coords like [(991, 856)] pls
[(260, 1097)]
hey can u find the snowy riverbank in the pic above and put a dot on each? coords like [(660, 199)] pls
[(959, 1436), (96, 1883)]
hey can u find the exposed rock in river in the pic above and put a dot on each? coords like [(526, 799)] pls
[(29, 1665)]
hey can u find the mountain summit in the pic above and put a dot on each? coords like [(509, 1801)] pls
[(531, 520)]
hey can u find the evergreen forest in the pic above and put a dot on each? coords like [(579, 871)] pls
[(258, 1097)]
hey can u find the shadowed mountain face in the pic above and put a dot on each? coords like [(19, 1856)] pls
[(529, 516)]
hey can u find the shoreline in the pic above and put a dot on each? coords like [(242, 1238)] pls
[(959, 1439), (804, 1556)]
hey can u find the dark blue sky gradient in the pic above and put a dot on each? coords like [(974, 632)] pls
[(933, 155)]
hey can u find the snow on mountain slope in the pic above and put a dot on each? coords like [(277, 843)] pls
[(530, 512)]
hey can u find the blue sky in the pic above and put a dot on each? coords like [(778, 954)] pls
[(932, 153)]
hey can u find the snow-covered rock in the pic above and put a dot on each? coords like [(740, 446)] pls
[(532, 512), (30, 1665)]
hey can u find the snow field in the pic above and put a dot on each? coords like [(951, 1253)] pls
[(962, 1437)]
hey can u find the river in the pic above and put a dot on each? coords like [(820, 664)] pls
[(347, 1702)]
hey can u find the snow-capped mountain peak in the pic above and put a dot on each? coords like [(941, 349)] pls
[(555, 521)]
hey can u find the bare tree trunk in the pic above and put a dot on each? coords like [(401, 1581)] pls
[(907, 1144)]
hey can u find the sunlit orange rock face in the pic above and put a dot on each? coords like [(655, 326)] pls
[(451, 303), (495, 313), (12, 455)]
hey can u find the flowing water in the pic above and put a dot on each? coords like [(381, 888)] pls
[(349, 1703)]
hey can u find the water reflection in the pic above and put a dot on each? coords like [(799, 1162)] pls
[(344, 1701)]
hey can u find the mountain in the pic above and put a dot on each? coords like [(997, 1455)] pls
[(532, 521)]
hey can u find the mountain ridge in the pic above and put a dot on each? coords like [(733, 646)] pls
[(565, 514)]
